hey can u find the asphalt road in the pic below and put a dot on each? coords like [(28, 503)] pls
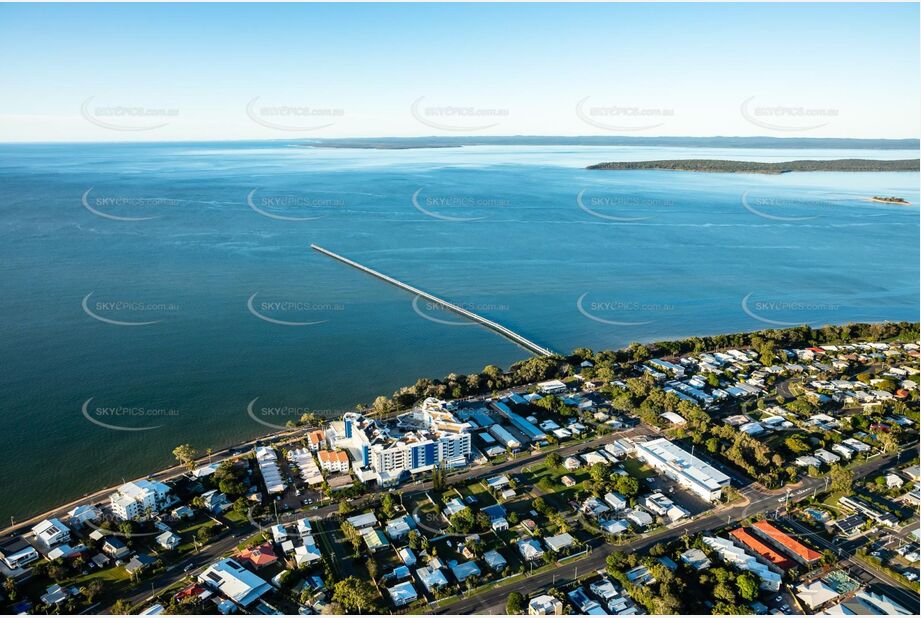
[(188, 567), (493, 601), (760, 501), (846, 551)]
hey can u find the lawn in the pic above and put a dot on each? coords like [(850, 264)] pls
[(479, 491), (338, 552), (109, 575), (547, 479), (235, 517), (637, 469)]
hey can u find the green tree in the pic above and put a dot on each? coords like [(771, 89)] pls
[(381, 405), (354, 595), (842, 479), (205, 533), (515, 603), (554, 460), (9, 584), (91, 590), (724, 592), (463, 521), (185, 455), (539, 504), (659, 549), (352, 535), (371, 565), (599, 472), (387, 505), (413, 540), (747, 585), (626, 485), (796, 445)]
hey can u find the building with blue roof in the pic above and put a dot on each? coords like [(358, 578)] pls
[(465, 570)]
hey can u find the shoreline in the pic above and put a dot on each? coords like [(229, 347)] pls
[(174, 471), (231, 451), (729, 166)]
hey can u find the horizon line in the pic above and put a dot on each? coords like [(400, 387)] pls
[(469, 137)]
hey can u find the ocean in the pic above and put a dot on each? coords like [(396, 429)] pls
[(157, 294)]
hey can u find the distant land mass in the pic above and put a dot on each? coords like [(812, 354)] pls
[(402, 143), (889, 200), (759, 167)]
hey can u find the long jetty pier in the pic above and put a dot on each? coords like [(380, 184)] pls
[(524, 342)]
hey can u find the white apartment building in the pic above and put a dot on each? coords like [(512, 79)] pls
[(384, 453), (267, 460), (136, 499), (334, 461)]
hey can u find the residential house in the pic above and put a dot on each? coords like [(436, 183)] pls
[(494, 560), (615, 500), (530, 549), (51, 532), (215, 501), (594, 507), (399, 527), (432, 578), (465, 570), (403, 594), (639, 517), (257, 557), (115, 547), (80, 515), (696, 559), (407, 556), (364, 520), (55, 595), (168, 540), (614, 526), (238, 584), (138, 563), (559, 542), (308, 553), (374, 539), (545, 605), (496, 514), (16, 553)]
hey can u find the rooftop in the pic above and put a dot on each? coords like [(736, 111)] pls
[(787, 541), (762, 550)]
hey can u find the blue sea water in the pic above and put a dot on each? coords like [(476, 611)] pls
[(151, 324)]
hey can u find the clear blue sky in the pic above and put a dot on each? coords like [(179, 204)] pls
[(689, 68)]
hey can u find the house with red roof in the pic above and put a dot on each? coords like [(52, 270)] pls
[(191, 592), (258, 557), (786, 543), (767, 554)]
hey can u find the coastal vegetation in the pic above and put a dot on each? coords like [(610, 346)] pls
[(890, 200), (607, 363), (761, 167)]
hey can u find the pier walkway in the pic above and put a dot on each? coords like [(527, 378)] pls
[(502, 330)]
